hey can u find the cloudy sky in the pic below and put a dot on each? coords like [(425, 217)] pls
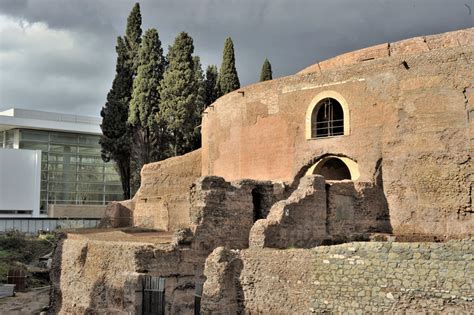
[(58, 55)]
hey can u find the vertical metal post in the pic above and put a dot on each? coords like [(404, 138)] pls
[(197, 299)]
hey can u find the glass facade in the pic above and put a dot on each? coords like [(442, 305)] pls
[(72, 170), (7, 139)]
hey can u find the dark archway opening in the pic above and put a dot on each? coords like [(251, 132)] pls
[(333, 169), (258, 205), (327, 119)]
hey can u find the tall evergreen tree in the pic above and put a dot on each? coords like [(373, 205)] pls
[(200, 103), (266, 73), (179, 91), (201, 89), (228, 78), (211, 85), (133, 35), (115, 139), (145, 102)]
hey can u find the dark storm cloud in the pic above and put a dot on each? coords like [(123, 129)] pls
[(73, 68)]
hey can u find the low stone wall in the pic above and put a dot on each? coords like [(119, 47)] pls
[(162, 202), (355, 277), (76, 211)]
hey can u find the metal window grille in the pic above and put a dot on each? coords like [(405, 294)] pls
[(153, 295), (327, 120)]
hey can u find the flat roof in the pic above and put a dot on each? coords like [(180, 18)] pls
[(41, 120)]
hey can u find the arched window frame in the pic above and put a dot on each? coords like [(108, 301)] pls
[(315, 101)]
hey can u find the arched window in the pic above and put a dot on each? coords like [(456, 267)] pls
[(327, 119)]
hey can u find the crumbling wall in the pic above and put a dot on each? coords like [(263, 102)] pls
[(95, 277), (162, 202), (222, 213), (356, 209), (223, 293), (118, 214), (370, 277), (323, 212), (297, 221), (85, 283), (109, 274)]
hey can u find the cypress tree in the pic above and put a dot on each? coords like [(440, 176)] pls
[(201, 89), (211, 85), (115, 139), (200, 103), (132, 40), (145, 102), (133, 34), (266, 73), (179, 91), (228, 78)]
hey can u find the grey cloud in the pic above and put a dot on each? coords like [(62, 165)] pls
[(292, 34)]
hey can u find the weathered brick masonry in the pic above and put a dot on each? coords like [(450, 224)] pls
[(410, 111)]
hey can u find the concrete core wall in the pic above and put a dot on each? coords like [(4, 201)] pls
[(162, 202)]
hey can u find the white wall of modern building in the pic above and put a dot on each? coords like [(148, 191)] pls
[(20, 182)]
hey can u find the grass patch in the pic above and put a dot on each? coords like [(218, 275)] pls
[(16, 249)]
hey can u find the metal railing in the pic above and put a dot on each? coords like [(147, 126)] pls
[(35, 225)]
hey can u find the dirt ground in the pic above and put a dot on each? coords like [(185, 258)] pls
[(25, 303)]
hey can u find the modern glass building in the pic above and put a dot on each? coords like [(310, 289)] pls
[(72, 171)]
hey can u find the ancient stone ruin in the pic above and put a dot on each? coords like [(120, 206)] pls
[(344, 187)]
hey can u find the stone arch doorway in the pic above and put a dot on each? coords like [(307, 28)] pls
[(335, 168)]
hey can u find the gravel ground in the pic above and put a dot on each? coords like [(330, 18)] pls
[(25, 303)]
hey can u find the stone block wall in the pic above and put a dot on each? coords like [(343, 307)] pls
[(353, 278)]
